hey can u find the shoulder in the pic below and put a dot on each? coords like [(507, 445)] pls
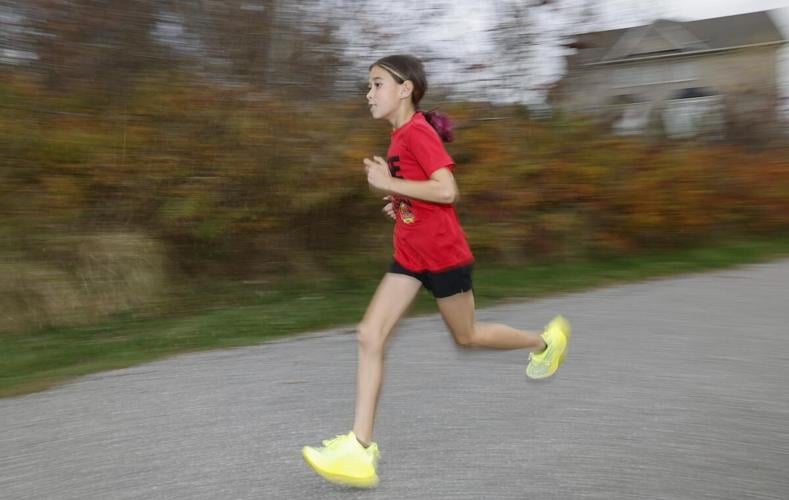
[(421, 131)]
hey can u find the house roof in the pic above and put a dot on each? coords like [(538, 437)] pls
[(668, 37)]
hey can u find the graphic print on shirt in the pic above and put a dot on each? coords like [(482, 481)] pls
[(400, 205)]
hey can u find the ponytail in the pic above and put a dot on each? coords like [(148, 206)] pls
[(441, 123)]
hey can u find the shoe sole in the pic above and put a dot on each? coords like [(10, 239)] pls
[(356, 482)]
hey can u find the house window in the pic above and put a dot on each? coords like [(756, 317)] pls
[(632, 115), (692, 112)]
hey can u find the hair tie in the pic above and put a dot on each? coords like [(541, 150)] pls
[(441, 123)]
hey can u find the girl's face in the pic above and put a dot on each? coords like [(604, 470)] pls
[(386, 95)]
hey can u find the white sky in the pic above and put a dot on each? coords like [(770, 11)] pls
[(699, 9)]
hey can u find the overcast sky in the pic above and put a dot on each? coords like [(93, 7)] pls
[(699, 9)]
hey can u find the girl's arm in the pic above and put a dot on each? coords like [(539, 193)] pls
[(440, 188)]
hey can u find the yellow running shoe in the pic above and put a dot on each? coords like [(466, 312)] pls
[(556, 337), (344, 461)]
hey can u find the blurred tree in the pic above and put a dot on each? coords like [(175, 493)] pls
[(505, 51), (15, 35), (267, 44), (105, 45), (227, 40), (99, 44), (525, 36), (377, 29)]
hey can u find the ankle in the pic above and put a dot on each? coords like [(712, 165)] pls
[(364, 442)]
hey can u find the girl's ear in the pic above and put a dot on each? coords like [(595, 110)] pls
[(406, 89)]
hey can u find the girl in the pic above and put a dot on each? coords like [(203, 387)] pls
[(430, 250)]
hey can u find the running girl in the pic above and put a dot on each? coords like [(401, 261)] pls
[(430, 250)]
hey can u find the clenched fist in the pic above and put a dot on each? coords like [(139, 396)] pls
[(378, 176)]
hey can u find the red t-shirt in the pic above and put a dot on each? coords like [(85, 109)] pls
[(427, 236)]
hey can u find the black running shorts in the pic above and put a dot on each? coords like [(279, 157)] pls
[(441, 285)]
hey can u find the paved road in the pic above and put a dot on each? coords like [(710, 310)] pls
[(673, 389)]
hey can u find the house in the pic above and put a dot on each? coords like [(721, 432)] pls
[(714, 76)]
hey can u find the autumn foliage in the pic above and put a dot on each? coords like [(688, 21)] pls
[(230, 182)]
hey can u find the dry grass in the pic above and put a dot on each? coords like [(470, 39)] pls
[(87, 278)]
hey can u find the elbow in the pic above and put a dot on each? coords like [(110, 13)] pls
[(448, 196)]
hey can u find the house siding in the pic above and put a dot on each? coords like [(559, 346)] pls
[(752, 70)]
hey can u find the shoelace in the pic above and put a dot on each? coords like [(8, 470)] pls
[(328, 443), (540, 356)]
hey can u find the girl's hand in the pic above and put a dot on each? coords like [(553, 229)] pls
[(378, 175), (389, 207)]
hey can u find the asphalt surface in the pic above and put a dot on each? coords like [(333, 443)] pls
[(672, 389)]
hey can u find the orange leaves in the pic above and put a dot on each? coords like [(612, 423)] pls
[(224, 173), (589, 193)]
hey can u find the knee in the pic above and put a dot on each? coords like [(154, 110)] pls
[(465, 341), (370, 338)]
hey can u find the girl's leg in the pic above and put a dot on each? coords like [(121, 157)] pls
[(458, 314), (393, 297)]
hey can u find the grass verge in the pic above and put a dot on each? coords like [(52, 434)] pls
[(36, 361)]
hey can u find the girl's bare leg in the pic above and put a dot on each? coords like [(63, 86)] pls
[(392, 299), (458, 314)]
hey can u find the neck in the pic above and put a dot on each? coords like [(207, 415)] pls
[(402, 116)]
